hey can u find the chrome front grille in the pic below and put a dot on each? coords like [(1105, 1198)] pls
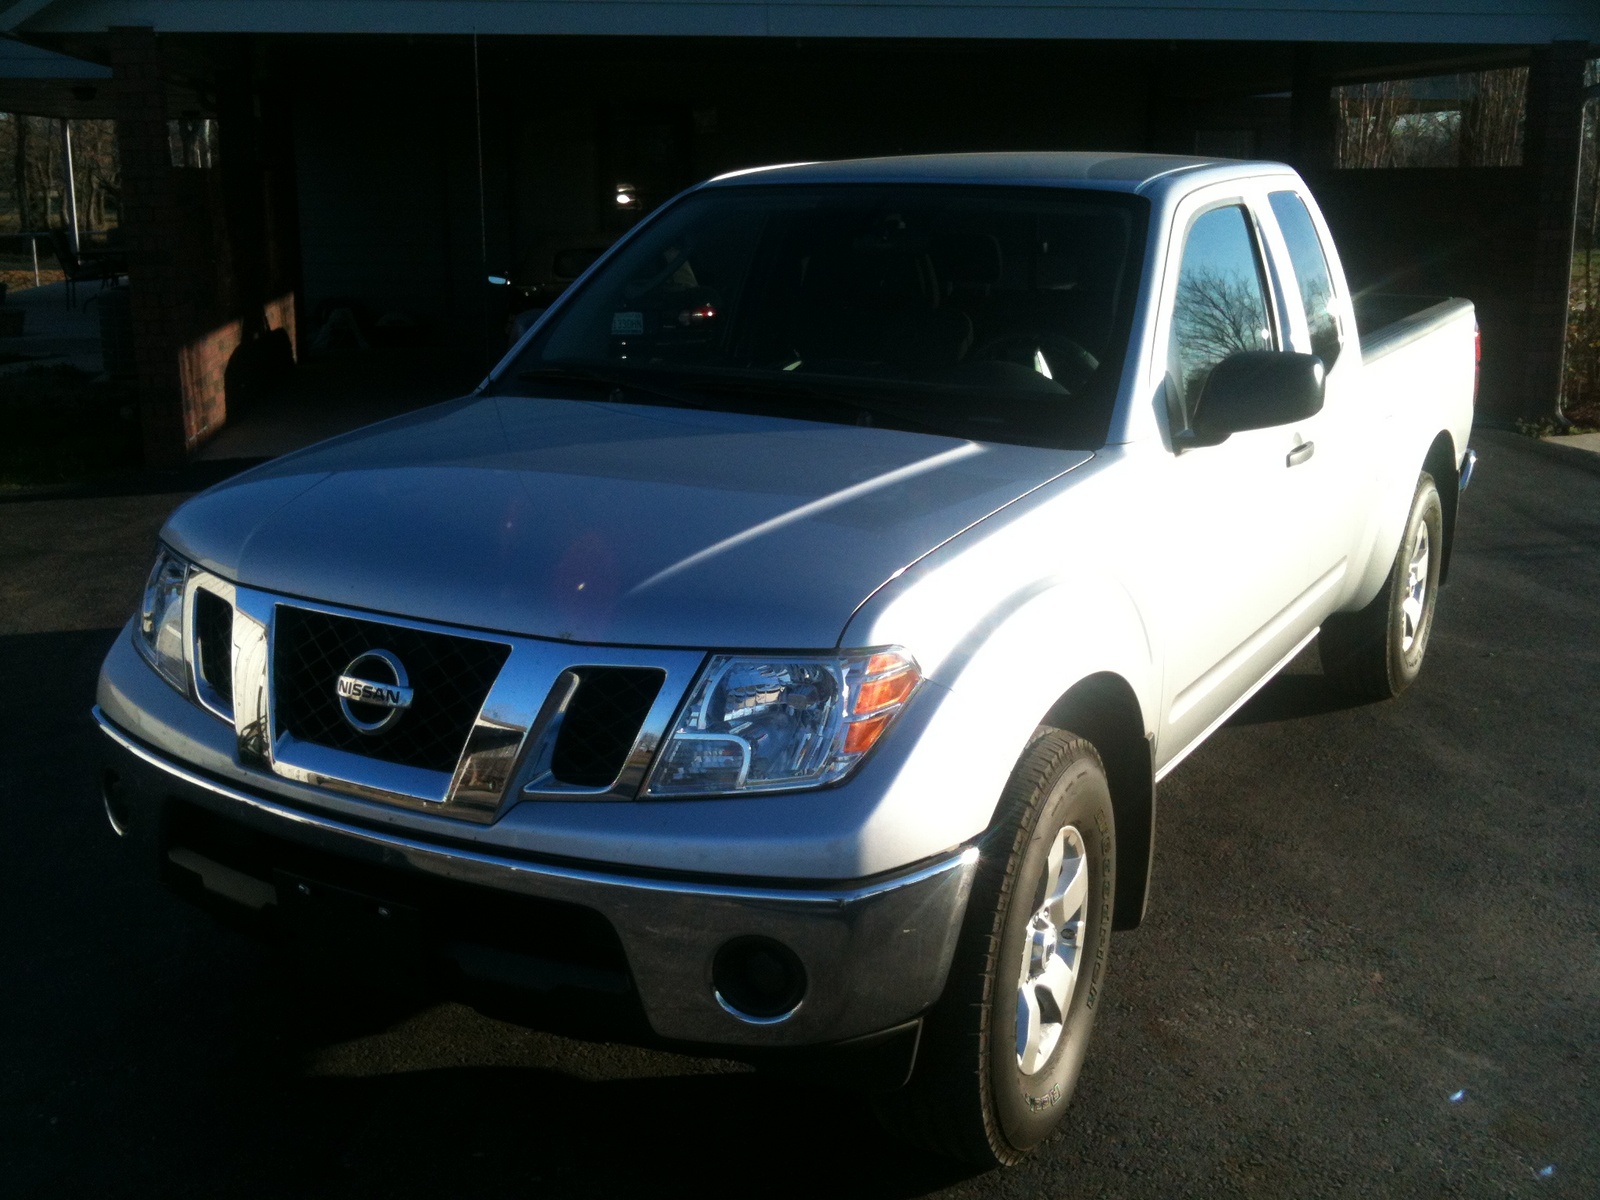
[(493, 719), (213, 641), (450, 674), (601, 722)]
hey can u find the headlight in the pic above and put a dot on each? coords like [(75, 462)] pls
[(763, 725), (160, 633)]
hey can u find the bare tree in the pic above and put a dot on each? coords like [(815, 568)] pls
[(1494, 109), (1217, 314), (94, 148), (1580, 385), (1470, 120), (1366, 115)]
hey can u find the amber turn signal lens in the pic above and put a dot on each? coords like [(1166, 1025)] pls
[(878, 694), (890, 678), (859, 737)]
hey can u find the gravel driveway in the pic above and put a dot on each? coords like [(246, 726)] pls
[(1371, 964)]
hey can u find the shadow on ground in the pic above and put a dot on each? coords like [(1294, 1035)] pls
[(1291, 697), (187, 1054)]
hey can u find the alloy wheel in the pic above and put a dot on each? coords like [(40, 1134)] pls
[(1051, 955), (1412, 606)]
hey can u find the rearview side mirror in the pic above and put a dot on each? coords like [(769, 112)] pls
[(1256, 389)]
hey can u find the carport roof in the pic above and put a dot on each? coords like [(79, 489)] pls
[(43, 83), (19, 60), (1415, 21)]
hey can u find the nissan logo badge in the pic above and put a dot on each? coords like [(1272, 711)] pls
[(374, 680)]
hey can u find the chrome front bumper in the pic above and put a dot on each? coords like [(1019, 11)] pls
[(875, 953)]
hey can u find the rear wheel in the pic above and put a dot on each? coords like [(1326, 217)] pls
[(1376, 653), (1002, 1050)]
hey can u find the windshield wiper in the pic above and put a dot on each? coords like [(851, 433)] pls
[(840, 397), (721, 392), (619, 383)]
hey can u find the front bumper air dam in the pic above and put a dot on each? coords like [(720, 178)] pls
[(875, 953)]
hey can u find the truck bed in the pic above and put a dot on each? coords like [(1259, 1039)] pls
[(1388, 322)]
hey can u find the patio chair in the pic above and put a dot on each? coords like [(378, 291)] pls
[(75, 267)]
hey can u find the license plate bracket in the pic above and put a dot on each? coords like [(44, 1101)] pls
[(330, 915)]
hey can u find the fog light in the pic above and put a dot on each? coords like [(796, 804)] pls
[(758, 979)]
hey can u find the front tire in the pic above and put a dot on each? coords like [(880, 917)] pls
[(1002, 1050), (1376, 653)]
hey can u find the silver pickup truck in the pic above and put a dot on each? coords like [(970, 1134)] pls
[(781, 648)]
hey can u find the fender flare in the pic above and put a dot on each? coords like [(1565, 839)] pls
[(1070, 653), (1394, 507)]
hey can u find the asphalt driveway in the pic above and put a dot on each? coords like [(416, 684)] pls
[(1371, 964)]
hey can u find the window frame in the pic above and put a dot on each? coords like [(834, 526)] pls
[(1338, 301), (1278, 314)]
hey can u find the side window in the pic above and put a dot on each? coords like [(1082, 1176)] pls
[(1221, 305), (1311, 271)]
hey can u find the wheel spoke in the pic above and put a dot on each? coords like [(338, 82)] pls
[(1417, 568), (1412, 607), (1030, 1028), (1052, 865), (1070, 892), (1051, 954), (1414, 602), (1057, 979)]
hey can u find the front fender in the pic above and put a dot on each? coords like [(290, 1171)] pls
[(1005, 655)]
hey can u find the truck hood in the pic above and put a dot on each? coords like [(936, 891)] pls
[(600, 522)]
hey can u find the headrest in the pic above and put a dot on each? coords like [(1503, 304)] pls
[(1062, 268), (871, 277), (967, 259)]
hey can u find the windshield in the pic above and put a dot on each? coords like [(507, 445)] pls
[(992, 313)]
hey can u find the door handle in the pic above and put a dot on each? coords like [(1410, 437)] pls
[(1300, 453)]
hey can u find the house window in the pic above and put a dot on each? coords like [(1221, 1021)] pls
[(1474, 119), (192, 142)]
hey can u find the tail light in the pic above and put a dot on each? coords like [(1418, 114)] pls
[(1477, 359)]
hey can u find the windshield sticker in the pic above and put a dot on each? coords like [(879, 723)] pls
[(627, 322)]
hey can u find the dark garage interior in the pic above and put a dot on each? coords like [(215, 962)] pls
[(387, 175)]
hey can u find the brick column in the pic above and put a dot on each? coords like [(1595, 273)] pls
[(1552, 142), (153, 276)]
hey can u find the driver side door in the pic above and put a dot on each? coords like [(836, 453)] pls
[(1235, 565)]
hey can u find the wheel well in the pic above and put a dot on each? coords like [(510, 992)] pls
[(1441, 464), (1104, 709)]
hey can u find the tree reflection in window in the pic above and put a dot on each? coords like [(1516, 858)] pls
[(1220, 308), (1311, 272)]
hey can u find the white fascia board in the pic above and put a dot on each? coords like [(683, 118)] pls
[(1413, 21)]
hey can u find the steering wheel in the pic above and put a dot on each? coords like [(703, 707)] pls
[(1070, 364)]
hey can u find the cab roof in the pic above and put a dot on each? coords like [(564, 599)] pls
[(1108, 171)]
